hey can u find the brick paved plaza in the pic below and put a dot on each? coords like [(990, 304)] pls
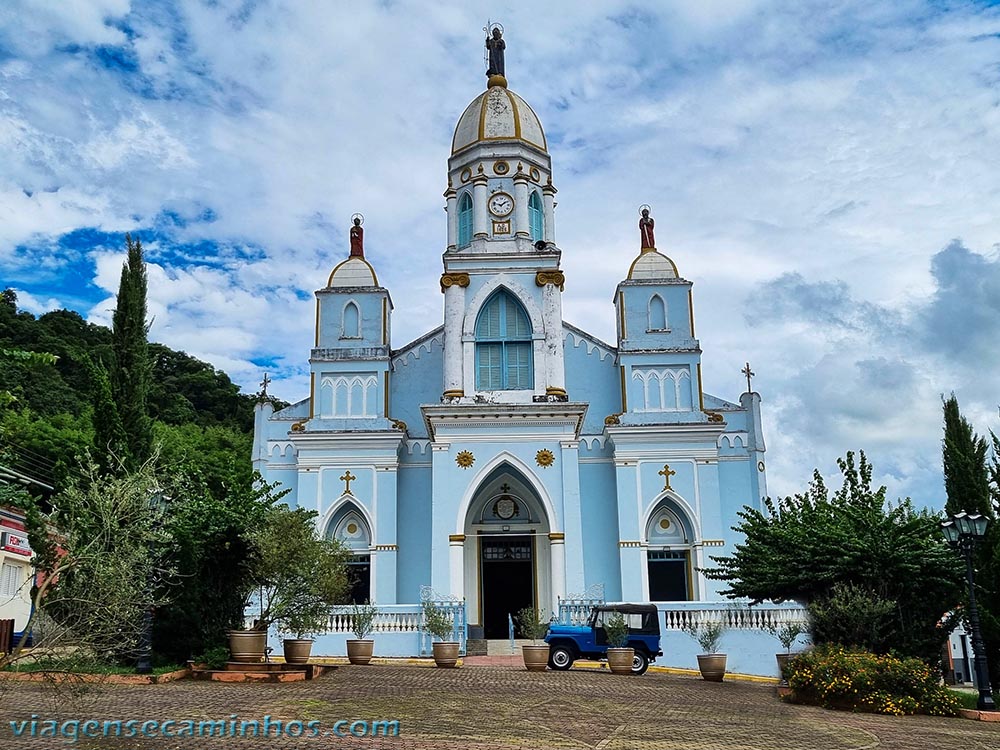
[(492, 707)]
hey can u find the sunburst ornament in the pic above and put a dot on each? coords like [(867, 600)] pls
[(545, 458), (465, 459)]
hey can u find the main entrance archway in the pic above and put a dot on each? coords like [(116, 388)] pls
[(507, 555)]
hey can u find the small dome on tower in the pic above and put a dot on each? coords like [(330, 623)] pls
[(652, 266), (354, 271), (498, 114)]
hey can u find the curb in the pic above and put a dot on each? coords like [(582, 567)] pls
[(595, 666), (971, 713)]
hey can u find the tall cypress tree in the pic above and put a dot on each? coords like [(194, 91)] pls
[(109, 435), (132, 369), (966, 479)]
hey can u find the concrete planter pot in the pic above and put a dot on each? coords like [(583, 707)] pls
[(536, 657), (783, 660), (712, 666), (360, 651), (446, 653), (297, 650), (620, 660), (247, 646)]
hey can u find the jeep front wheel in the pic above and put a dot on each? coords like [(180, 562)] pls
[(640, 662), (561, 658)]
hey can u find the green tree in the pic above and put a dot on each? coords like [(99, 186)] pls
[(803, 546), (100, 570), (966, 479), (130, 374), (110, 440), (212, 549)]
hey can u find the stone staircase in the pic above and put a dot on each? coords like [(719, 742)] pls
[(502, 648)]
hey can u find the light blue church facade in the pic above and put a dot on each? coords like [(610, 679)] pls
[(506, 457)]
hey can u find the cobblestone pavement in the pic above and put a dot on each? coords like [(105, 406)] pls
[(475, 708)]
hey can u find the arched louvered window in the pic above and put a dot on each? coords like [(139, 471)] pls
[(503, 345), (465, 220), (537, 217)]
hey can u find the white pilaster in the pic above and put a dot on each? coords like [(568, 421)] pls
[(480, 217), (521, 220), (454, 309), (557, 549), (451, 196), (549, 201), (555, 371), (456, 558)]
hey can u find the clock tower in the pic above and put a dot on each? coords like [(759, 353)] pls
[(503, 333)]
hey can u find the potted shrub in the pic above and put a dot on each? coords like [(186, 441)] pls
[(437, 623), (359, 650), (619, 655), (533, 626), (711, 663), (786, 634), (298, 577)]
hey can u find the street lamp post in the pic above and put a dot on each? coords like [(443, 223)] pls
[(964, 531)]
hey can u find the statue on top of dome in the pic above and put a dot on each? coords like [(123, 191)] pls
[(495, 46), (357, 237), (646, 225)]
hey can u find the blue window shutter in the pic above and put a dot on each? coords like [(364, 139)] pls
[(537, 217), (503, 345), (465, 220)]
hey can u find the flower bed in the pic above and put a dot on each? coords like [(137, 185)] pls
[(836, 677)]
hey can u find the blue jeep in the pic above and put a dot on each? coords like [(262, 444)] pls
[(567, 643)]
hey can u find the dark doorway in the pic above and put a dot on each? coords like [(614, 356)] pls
[(668, 576), (508, 581), (359, 576)]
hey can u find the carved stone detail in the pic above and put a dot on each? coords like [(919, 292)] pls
[(451, 279), (550, 277)]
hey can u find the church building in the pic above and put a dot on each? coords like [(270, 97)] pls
[(507, 457)]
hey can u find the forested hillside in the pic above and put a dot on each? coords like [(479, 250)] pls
[(201, 421)]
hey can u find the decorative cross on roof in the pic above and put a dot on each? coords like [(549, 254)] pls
[(263, 386), (347, 479), (749, 373), (666, 474)]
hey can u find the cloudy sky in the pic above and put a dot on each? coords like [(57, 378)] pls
[(828, 174)]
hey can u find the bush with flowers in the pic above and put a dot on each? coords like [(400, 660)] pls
[(836, 677)]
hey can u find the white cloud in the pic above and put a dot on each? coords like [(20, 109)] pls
[(846, 143)]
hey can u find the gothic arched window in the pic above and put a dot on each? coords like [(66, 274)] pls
[(503, 345), (657, 314), (537, 217), (465, 220), (352, 322)]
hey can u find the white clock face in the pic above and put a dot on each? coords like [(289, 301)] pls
[(501, 204)]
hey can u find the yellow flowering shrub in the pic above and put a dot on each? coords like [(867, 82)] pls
[(836, 677)]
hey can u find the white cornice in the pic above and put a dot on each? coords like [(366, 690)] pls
[(504, 419), (666, 433), (387, 440)]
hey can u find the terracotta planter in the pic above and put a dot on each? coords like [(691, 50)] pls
[(712, 666), (297, 650), (446, 653), (247, 646), (360, 651), (536, 657), (620, 660)]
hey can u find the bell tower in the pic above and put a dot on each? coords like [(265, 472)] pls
[(500, 202)]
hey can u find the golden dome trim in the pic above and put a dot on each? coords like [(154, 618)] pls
[(496, 80), (518, 136), (329, 281)]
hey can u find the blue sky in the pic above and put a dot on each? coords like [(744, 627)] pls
[(826, 173)]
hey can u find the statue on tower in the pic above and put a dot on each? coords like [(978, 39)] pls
[(495, 46), (357, 237), (646, 225)]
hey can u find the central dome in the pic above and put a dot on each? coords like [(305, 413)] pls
[(498, 114)]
